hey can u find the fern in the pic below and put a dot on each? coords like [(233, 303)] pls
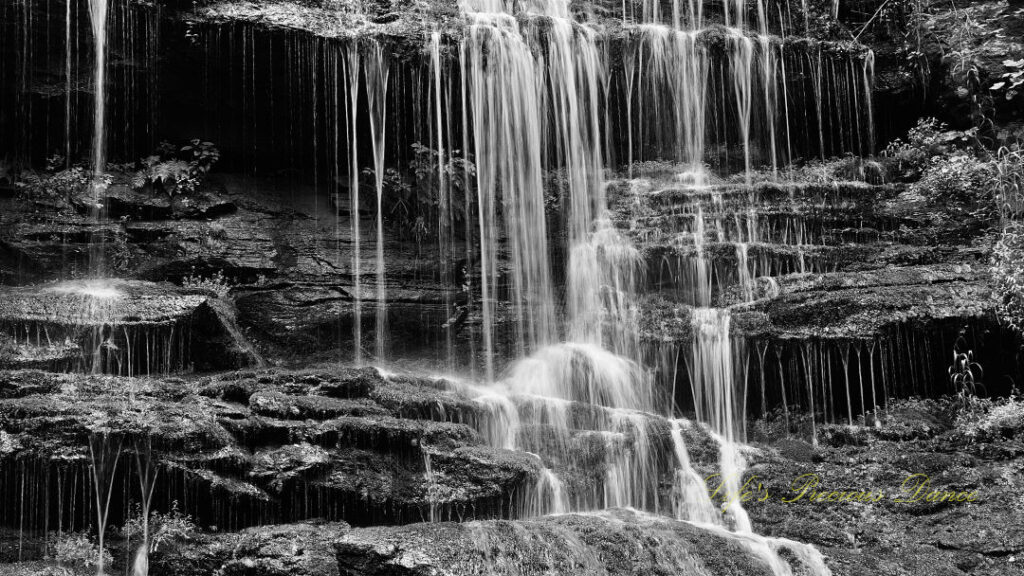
[(177, 171)]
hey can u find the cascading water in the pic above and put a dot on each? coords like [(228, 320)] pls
[(503, 89), (98, 10), (377, 72), (539, 405), (352, 64), (536, 89)]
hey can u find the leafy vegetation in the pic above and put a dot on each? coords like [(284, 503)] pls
[(1008, 275), (57, 183), (1008, 254), (950, 175), (424, 193), (987, 418), (174, 170), (165, 529), (77, 550), (458, 172), (926, 141), (170, 170), (964, 373), (1011, 84), (960, 182), (1009, 180), (971, 51), (948, 168), (217, 283), (815, 171)]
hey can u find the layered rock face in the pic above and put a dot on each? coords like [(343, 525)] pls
[(120, 327), (254, 448), (289, 267), (839, 294)]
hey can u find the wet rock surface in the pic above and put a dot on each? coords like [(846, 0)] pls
[(275, 445), (286, 261), (247, 444), (825, 266), (616, 542), (301, 549), (120, 327), (919, 446)]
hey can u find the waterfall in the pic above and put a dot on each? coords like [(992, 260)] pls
[(530, 93), (352, 63), (604, 272), (741, 56), (716, 388), (502, 82), (700, 281), (445, 231), (674, 82), (431, 483), (690, 492), (377, 70), (551, 497), (743, 269), (98, 16)]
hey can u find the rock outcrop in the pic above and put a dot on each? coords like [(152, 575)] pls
[(259, 447), (119, 327), (611, 543)]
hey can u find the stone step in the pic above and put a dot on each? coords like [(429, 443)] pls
[(119, 326), (660, 196)]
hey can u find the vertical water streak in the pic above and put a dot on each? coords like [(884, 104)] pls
[(68, 83), (743, 270), (716, 390), (445, 218), (575, 74), (98, 10), (869, 84), (352, 73), (629, 57), (770, 95), (690, 499), (741, 57), (377, 71), (507, 132)]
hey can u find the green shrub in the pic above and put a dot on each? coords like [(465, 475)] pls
[(412, 198), (990, 419), (458, 172), (165, 529), (1008, 253), (78, 550), (1009, 181), (961, 183), (1008, 275), (217, 283), (177, 170), (928, 139), (1011, 84), (56, 184)]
